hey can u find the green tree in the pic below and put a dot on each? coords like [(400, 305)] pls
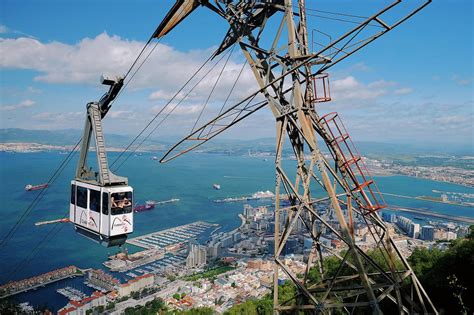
[(471, 232), (423, 260), (197, 311), (263, 306), (448, 277), (9, 307)]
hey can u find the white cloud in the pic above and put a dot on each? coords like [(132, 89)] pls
[(403, 91), (59, 117), (453, 121), (380, 84), (461, 81), (166, 69), (179, 110), (349, 88), (360, 67), (164, 95), (61, 63), (120, 114), (33, 90), (23, 104)]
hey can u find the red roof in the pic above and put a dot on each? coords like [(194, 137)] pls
[(75, 303), (66, 310)]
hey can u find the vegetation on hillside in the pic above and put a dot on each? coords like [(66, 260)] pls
[(447, 276)]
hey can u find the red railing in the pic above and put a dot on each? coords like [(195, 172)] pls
[(352, 163), (321, 91)]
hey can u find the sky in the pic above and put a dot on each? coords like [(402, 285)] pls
[(413, 85)]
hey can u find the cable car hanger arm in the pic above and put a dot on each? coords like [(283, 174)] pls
[(93, 127), (106, 100)]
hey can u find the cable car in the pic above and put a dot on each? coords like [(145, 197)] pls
[(103, 214), (101, 206)]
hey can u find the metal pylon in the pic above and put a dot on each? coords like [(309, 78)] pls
[(283, 67)]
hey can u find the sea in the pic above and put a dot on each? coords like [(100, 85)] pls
[(38, 249)]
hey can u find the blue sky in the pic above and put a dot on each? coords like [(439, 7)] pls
[(415, 84)]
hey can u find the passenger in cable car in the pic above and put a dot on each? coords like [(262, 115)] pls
[(120, 203)]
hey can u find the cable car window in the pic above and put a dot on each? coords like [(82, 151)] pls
[(94, 200), (121, 203), (105, 203), (81, 197), (73, 194)]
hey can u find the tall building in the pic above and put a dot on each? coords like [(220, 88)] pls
[(389, 217), (427, 233), (411, 228), (197, 256)]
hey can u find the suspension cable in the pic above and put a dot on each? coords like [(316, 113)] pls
[(39, 196), (170, 112), (338, 13), (340, 20), (156, 116), (228, 96), (32, 253), (67, 159), (213, 87)]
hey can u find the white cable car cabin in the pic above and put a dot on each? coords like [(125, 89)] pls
[(101, 206), (103, 214)]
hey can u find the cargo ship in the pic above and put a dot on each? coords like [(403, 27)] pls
[(147, 206), (30, 187)]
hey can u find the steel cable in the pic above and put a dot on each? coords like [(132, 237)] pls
[(170, 112), (39, 196)]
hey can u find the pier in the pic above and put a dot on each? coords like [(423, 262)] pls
[(16, 287), (170, 238)]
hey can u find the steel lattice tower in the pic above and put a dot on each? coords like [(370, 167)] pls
[(293, 82)]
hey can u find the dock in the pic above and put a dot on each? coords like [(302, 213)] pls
[(16, 287), (173, 237)]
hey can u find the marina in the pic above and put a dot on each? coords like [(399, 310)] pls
[(72, 294), (172, 239)]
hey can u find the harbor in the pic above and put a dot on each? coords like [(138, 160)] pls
[(72, 293), (16, 287), (172, 239)]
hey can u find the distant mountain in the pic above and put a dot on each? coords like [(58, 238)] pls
[(230, 146), (59, 137)]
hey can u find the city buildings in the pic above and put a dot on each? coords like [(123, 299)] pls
[(135, 285), (427, 233), (412, 229), (81, 307), (197, 256)]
